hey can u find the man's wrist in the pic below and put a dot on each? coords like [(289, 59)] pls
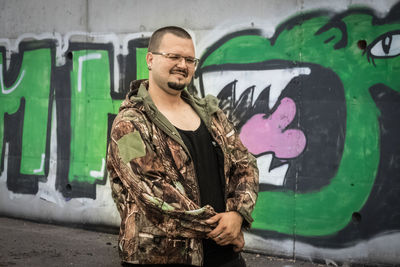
[(239, 215)]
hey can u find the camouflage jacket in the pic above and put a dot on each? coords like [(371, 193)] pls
[(154, 184)]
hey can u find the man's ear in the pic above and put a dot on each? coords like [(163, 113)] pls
[(149, 60)]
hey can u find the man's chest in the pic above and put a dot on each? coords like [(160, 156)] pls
[(184, 117)]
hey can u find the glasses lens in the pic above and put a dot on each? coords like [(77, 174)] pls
[(190, 60), (176, 57)]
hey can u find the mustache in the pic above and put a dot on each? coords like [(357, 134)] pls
[(181, 71)]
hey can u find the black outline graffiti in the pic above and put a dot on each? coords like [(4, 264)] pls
[(127, 65), (73, 189), (13, 124)]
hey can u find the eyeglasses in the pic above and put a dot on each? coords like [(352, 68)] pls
[(190, 61)]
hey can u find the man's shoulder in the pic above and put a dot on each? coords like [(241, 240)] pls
[(130, 114), (130, 125)]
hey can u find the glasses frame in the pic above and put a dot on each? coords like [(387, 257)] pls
[(177, 57)]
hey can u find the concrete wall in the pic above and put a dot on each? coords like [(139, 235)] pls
[(312, 86)]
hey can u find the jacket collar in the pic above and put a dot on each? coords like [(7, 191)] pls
[(204, 107)]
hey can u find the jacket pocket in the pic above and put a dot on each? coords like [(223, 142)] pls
[(154, 249)]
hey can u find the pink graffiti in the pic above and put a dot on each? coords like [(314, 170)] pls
[(261, 134)]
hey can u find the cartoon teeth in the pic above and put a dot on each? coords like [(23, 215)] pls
[(277, 79), (276, 176), (267, 137)]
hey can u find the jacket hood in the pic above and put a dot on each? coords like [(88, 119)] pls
[(132, 97)]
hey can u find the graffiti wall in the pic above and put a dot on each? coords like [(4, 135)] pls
[(59, 98), (316, 100)]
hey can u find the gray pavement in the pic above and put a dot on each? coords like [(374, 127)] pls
[(26, 243)]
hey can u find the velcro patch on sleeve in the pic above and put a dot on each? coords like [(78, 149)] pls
[(131, 146)]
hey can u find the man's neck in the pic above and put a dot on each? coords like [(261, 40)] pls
[(174, 108), (163, 99)]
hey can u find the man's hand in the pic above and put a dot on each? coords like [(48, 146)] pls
[(238, 243), (228, 228)]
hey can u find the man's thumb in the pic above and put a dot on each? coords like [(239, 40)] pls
[(214, 219)]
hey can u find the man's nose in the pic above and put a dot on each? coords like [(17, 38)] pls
[(182, 62)]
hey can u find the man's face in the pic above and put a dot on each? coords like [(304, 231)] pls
[(169, 74)]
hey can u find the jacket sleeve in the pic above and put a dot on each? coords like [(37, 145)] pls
[(242, 172), (162, 199)]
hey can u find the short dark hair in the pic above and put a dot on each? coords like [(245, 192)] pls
[(155, 39)]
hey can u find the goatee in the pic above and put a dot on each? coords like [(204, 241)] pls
[(176, 86)]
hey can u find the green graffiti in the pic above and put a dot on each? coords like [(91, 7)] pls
[(141, 65), (32, 84), (329, 209), (90, 104)]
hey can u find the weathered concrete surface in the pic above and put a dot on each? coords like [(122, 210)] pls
[(25, 243), (18, 17)]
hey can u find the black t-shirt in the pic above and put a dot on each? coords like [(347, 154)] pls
[(203, 150), (208, 166)]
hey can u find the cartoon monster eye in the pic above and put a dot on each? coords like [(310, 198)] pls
[(386, 45)]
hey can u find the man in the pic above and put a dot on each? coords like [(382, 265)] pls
[(183, 182)]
